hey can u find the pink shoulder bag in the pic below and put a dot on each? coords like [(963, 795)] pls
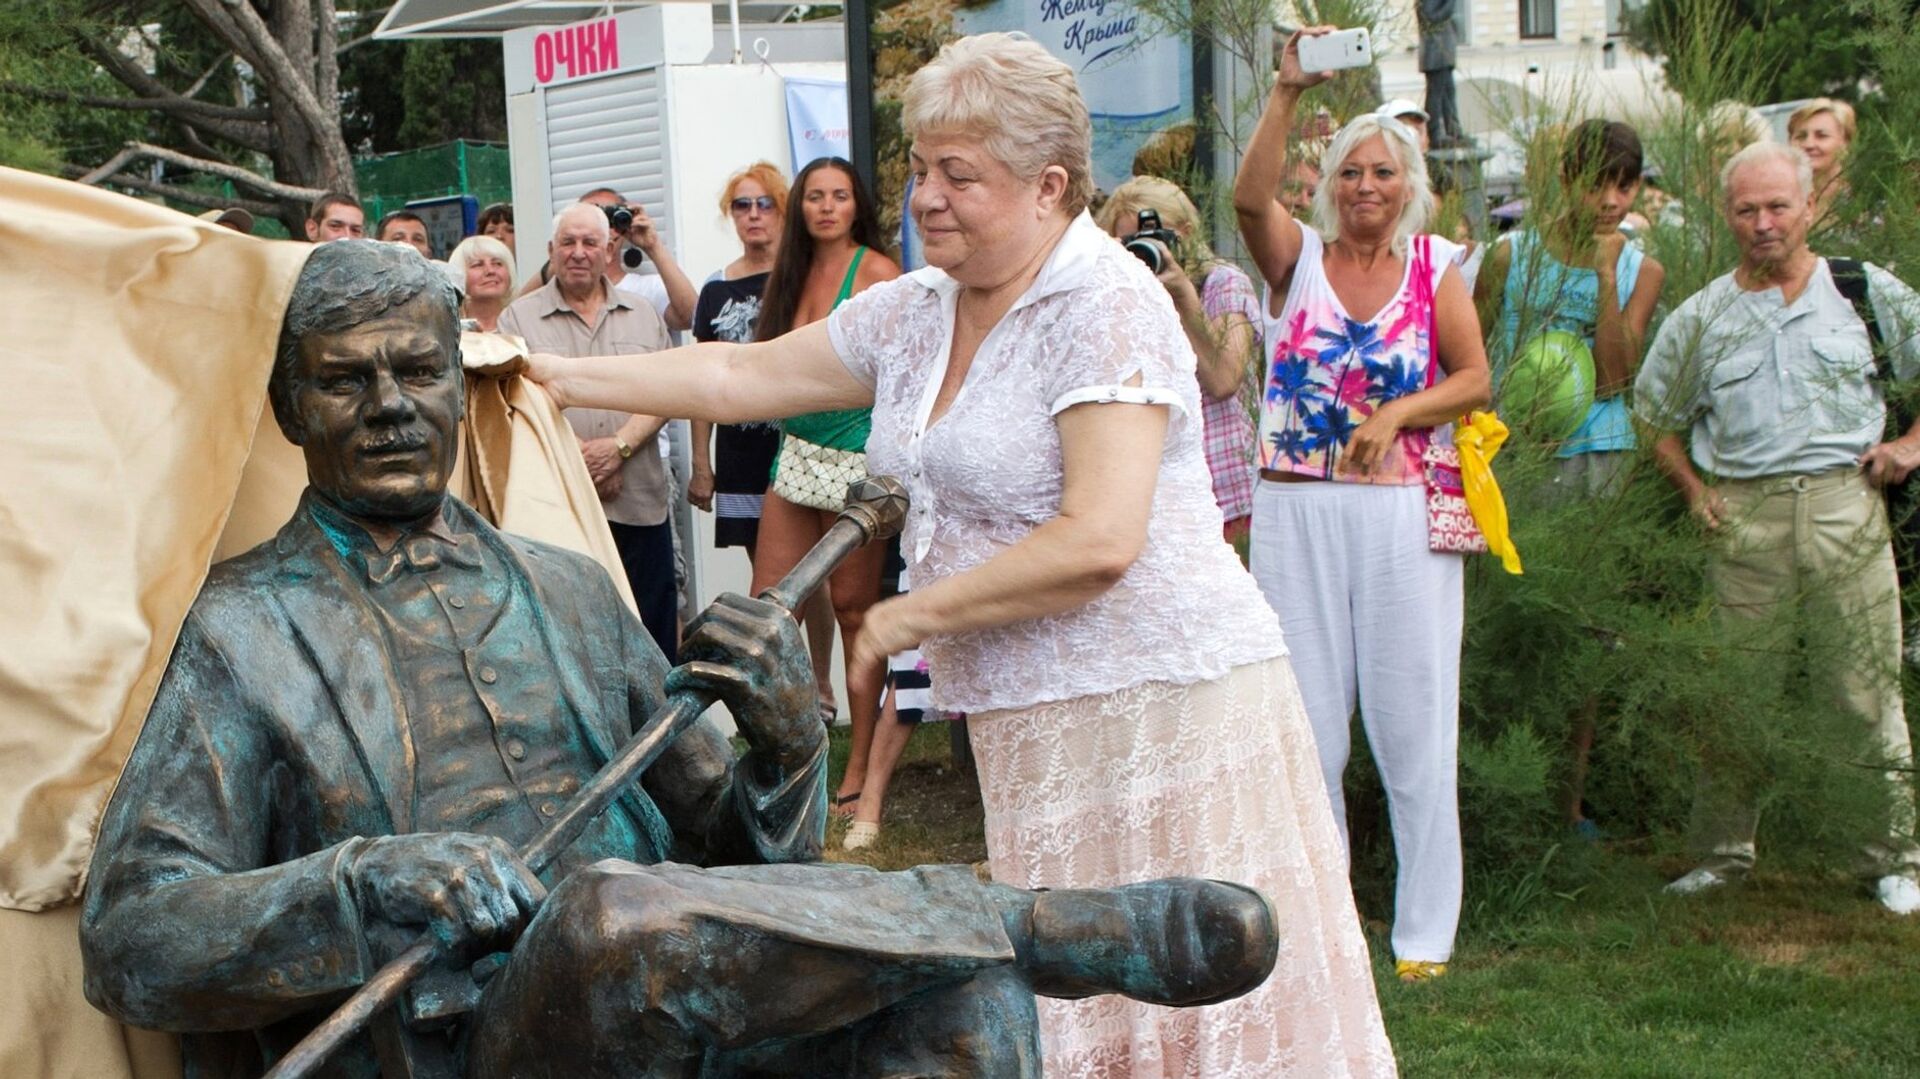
[(1451, 528)]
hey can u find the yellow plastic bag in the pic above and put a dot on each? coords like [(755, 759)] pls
[(1478, 437)]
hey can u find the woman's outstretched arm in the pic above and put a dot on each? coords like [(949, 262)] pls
[(716, 381)]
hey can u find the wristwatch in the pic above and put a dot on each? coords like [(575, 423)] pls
[(623, 449)]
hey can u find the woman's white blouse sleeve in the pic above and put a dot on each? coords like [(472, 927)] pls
[(1125, 346), (859, 328)]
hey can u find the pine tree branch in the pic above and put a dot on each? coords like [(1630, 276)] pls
[(137, 151), (174, 105), (203, 199), (241, 25), (200, 83), (327, 61), (253, 134)]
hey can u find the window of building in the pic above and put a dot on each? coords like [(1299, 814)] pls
[(1539, 18), (1618, 11)]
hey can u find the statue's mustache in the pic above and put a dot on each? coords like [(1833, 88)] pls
[(394, 441)]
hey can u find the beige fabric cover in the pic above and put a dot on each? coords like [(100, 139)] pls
[(136, 349)]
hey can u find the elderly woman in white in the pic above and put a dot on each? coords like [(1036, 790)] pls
[(1373, 348), (1133, 711)]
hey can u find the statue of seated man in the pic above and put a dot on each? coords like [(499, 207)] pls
[(366, 716)]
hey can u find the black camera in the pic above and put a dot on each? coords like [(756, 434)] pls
[(1149, 228), (619, 218)]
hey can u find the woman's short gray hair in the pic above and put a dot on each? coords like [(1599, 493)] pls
[(1405, 148), (1020, 101), (1761, 153), (477, 247)]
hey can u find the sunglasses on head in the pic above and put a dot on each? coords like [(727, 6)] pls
[(742, 204)]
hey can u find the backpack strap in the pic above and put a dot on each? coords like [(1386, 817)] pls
[(1850, 277)]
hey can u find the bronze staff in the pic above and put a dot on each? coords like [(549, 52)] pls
[(876, 508)]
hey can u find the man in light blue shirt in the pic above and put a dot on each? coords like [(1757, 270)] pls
[(1771, 373)]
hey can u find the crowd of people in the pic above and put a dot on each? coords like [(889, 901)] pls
[(1171, 527)]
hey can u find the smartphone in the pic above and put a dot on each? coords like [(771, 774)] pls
[(1336, 51)]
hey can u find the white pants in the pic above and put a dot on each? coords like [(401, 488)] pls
[(1372, 618)]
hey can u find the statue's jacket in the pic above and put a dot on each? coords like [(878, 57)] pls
[(279, 740)]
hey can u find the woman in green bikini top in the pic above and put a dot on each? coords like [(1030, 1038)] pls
[(829, 250)]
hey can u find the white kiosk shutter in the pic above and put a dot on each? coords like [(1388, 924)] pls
[(611, 133)]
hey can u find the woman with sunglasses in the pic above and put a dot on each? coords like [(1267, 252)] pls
[(731, 465), (829, 252)]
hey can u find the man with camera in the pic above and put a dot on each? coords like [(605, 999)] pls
[(578, 312), (635, 240)]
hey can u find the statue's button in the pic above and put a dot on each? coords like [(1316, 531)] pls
[(548, 809), (489, 675), (276, 979), (456, 602), (516, 749)]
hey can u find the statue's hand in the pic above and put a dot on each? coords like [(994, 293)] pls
[(471, 890), (750, 654)]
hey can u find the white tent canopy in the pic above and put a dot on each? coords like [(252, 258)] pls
[(492, 18)]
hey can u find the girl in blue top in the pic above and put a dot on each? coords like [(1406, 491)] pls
[(1579, 274)]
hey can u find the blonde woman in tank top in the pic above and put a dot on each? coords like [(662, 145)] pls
[(1373, 347)]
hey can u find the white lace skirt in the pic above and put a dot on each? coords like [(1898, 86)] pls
[(1217, 779)]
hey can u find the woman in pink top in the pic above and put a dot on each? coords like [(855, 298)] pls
[(1129, 697), (1373, 347)]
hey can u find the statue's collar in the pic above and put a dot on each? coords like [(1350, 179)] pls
[(353, 542)]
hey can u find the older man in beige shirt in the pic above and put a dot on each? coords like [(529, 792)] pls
[(579, 313), (1770, 373)]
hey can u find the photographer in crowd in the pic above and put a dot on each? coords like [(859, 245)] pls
[(633, 238), (1220, 311)]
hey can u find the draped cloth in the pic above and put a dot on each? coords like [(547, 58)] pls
[(1478, 436), (136, 449)]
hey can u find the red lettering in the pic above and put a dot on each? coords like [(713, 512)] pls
[(610, 44), (563, 49), (543, 58), (588, 49)]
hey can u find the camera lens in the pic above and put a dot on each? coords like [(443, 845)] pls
[(619, 218), (1146, 252)]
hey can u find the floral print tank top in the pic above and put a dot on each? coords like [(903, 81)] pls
[(1327, 372)]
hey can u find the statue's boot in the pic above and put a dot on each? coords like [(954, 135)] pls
[(1181, 941)]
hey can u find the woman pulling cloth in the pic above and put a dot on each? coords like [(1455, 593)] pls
[(1132, 709)]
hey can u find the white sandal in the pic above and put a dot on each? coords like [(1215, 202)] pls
[(861, 833)]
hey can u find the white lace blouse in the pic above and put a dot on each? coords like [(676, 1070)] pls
[(989, 472)]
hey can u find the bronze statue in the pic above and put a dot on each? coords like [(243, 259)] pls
[(1439, 48), (367, 715)]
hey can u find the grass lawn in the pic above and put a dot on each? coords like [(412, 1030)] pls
[(1788, 976)]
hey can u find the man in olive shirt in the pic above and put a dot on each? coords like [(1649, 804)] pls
[(1771, 371), (579, 313)]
